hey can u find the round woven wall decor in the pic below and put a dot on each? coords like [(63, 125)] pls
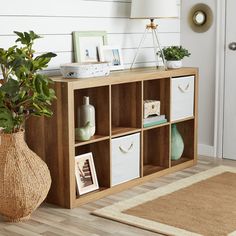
[(24, 178), (200, 18)]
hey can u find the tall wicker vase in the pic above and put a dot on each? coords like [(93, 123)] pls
[(24, 178)]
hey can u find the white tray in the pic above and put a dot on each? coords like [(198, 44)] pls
[(85, 70)]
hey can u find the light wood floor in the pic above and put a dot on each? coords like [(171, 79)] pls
[(50, 220)]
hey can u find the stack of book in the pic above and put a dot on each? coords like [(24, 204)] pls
[(154, 120)]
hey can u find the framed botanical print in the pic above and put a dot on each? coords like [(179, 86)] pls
[(86, 45)]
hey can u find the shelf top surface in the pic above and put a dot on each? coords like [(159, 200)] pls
[(126, 76)]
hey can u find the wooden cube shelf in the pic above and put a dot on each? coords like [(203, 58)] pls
[(99, 98), (126, 107), (186, 130), (118, 101), (159, 89), (156, 150), (101, 152)]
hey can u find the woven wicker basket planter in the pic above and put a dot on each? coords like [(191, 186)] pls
[(24, 178)]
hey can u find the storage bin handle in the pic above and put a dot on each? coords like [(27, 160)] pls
[(128, 150), (184, 90)]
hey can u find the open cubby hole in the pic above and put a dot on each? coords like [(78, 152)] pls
[(155, 150), (186, 130), (101, 157), (126, 107), (159, 89), (99, 98)]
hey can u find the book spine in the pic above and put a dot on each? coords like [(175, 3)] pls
[(155, 123), (153, 119)]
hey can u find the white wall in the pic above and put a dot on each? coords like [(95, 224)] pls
[(56, 19), (202, 47)]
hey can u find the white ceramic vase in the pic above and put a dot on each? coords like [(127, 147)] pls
[(86, 113), (174, 64)]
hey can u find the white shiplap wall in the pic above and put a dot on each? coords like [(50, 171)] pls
[(55, 20)]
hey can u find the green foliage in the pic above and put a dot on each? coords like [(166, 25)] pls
[(24, 91), (174, 53)]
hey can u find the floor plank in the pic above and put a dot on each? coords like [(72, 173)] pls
[(50, 220)]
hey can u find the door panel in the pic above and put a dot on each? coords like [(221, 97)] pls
[(229, 136)]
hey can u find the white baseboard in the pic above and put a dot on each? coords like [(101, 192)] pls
[(205, 150)]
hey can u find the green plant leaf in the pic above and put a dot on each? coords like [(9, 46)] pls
[(11, 87), (27, 37), (24, 91), (6, 120), (33, 35), (45, 88), (16, 62), (174, 53), (38, 85), (20, 34), (44, 59), (52, 93)]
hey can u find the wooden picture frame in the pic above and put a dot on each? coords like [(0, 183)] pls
[(111, 54), (85, 173), (86, 45)]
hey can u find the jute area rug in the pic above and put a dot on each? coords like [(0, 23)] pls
[(203, 204)]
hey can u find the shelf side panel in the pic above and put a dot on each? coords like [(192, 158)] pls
[(50, 141)]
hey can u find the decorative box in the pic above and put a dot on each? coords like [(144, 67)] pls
[(85, 70), (151, 107)]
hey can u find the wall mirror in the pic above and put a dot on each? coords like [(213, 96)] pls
[(200, 18)]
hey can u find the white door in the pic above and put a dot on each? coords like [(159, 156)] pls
[(229, 136)]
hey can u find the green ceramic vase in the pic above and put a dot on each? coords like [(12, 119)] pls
[(83, 133), (177, 143)]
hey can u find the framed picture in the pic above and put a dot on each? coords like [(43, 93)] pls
[(86, 45), (85, 173), (112, 54)]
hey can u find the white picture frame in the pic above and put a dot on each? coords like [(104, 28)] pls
[(85, 44), (85, 173), (112, 55)]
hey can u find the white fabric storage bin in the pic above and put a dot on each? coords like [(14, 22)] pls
[(125, 158), (182, 97)]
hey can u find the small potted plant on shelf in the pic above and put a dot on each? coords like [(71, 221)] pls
[(173, 56), (24, 91)]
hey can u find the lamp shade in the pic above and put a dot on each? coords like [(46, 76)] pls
[(151, 9)]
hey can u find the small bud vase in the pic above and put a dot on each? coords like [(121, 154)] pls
[(177, 143)]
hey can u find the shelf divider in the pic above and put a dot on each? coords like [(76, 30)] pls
[(180, 161), (150, 169), (94, 139), (119, 131)]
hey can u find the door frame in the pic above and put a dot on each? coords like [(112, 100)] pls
[(220, 77)]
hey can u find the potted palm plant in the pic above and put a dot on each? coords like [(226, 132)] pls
[(173, 56), (24, 91)]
